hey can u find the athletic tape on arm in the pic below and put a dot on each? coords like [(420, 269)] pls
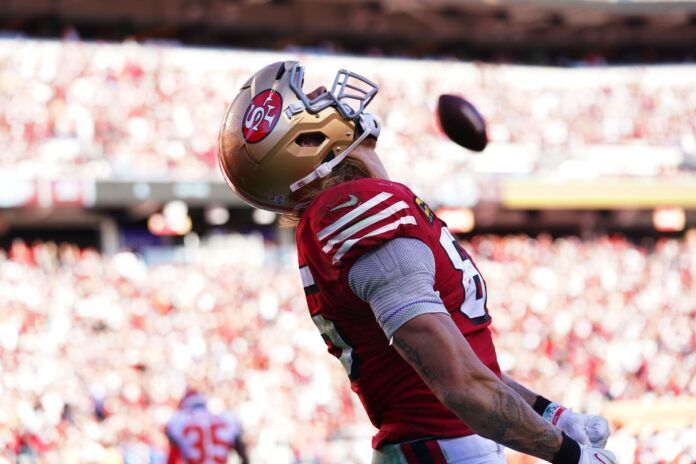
[(397, 281)]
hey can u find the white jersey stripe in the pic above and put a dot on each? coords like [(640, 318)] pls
[(348, 244), (346, 218), (368, 221)]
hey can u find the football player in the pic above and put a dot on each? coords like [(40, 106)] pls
[(197, 436), (395, 297)]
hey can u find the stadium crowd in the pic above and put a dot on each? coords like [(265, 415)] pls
[(132, 111), (95, 351)]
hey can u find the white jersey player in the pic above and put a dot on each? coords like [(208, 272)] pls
[(198, 436)]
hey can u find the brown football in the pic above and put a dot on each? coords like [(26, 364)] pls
[(461, 122)]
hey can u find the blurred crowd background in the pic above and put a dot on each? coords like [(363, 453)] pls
[(152, 112), (96, 351), (129, 272)]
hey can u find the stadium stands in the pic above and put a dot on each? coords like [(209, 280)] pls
[(145, 112), (95, 351)]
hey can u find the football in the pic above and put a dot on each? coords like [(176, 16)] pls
[(461, 122)]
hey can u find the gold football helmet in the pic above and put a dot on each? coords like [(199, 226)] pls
[(261, 153)]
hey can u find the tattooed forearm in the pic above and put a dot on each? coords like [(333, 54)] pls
[(507, 419), (487, 405)]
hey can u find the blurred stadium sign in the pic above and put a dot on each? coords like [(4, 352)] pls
[(668, 413), (459, 220), (121, 194), (25, 193), (597, 194)]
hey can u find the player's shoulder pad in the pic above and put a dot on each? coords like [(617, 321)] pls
[(354, 216)]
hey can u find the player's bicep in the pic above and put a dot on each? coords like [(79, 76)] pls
[(438, 351), (397, 281)]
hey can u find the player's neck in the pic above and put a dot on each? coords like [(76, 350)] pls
[(370, 162)]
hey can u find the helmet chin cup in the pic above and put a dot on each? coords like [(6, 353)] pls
[(367, 123), (323, 170)]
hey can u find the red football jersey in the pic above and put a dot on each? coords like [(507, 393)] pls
[(338, 227)]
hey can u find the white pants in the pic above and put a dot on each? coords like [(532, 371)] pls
[(472, 449)]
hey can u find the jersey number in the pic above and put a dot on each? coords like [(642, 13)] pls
[(198, 437), (474, 302), (337, 344)]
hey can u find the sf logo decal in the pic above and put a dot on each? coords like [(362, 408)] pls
[(261, 115)]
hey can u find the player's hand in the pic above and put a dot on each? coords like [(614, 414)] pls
[(596, 456), (586, 430), (597, 430)]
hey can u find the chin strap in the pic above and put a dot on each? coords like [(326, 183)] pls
[(368, 126)]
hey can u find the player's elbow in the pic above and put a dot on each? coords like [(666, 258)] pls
[(470, 392)]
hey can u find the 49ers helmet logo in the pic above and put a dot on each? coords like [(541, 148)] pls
[(262, 115)]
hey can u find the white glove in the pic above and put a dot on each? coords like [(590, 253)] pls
[(596, 456), (586, 430), (597, 430)]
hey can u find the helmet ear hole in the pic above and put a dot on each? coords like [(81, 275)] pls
[(331, 155), (310, 139)]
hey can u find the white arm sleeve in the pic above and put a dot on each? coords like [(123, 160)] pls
[(397, 281)]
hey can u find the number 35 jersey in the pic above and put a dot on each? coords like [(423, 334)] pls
[(339, 226), (202, 437)]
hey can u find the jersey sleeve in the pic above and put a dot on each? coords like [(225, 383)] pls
[(397, 280), (362, 215)]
